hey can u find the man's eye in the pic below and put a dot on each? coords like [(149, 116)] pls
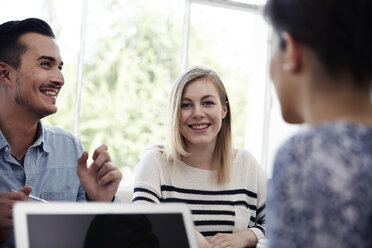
[(45, 64)]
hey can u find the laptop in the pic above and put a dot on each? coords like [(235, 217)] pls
[(90, 225)]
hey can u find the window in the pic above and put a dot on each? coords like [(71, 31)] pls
[(132, 52)]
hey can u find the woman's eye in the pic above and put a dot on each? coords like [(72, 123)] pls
[(208, 103), (185, 105)]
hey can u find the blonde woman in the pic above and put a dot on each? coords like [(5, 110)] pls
[(225, 188)]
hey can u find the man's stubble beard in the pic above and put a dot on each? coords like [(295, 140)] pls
[(22, 101)]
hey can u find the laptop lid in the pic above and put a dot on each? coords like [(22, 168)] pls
[(90, 225)]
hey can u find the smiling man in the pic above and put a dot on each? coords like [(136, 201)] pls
[(46, 161)]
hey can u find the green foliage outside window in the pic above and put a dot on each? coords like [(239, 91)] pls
[(132, 57)]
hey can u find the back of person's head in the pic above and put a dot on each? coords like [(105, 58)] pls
[(11, 48), (124, 231), (337, 31), (176, 146)]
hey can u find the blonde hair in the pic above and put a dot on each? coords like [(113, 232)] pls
[(176, 145)]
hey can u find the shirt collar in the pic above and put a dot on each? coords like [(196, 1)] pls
[(3, 141), (41, 139), (40, 133)]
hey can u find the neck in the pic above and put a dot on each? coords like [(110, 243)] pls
[(19, 132), (200, 157), (345, 104)]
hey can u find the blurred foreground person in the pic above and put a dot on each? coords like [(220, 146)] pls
[(321, 66)]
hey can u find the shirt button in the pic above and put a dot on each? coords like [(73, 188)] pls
[(6, 149)]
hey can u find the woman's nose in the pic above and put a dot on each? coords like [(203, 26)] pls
[(198, 112)]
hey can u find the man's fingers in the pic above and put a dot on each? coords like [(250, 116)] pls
[(13, 196), (104, 169), (103, 157), (6, 205), (82, 161), (111, 173), (98, 151), (8, 214), (7, 222), (26, 189)]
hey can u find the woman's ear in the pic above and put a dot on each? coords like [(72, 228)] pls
[(292, 53), (224, 111), (4, 73)]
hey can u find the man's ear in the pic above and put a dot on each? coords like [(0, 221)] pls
[(293, 53), (5, 73)]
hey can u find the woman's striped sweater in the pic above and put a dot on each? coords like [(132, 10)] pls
[(216, 208)]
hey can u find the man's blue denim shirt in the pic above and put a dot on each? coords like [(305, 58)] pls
[(50, 167)]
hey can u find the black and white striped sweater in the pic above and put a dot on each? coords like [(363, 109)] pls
[(216, 208)]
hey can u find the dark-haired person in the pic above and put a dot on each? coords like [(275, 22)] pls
[(47, 161), (321, 67)]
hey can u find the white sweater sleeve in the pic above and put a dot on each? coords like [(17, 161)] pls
[(147, 182), (260, 226), (261, 180)]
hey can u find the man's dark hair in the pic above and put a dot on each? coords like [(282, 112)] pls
[(337, 31), (11, 48)]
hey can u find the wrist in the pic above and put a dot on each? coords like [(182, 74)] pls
[(249, 237), (89, 199)]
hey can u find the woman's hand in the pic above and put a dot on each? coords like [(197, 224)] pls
[(202, 241), (240, 239)]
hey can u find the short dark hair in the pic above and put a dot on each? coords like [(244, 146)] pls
[(337, 31), (11, 48)]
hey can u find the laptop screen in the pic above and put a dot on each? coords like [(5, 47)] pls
[(107, 230), (127, 226)]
